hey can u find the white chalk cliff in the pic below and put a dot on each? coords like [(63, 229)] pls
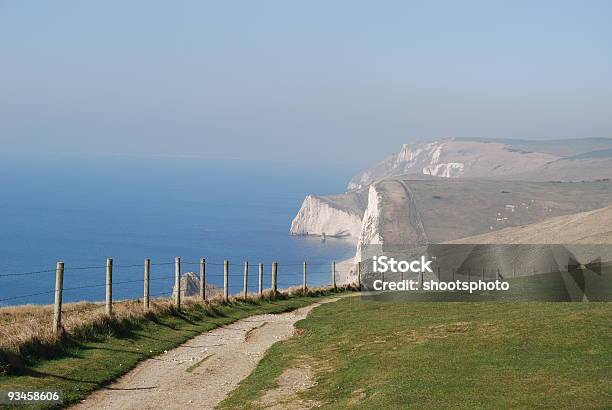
[(454, 188), (452, 158), (333, 215), (370, 233), (406, 212)]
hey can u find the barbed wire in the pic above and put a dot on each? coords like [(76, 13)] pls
[(141, 280), (26, 273), (162, 263), (252, 274), (27, 296), (117, 266), (161, 294), (104, 284), (240, 262), (253, 285), (140, 265), (160, 278), (68, 268)]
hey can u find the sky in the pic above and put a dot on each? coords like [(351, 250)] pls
[(304, 81)]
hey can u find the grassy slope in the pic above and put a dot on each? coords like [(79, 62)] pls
[(90, 365), (441, 355)]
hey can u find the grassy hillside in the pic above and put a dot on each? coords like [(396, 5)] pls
[(561, 147), (593, 227), (452, 209), (369, 354)]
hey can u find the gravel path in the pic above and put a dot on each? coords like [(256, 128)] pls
[(201, 372)]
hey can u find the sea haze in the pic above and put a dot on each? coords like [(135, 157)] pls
[(82, 210)]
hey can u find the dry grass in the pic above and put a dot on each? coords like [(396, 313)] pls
[(26, 330)]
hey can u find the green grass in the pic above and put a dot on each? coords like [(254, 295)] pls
[(373, 355), (85, 366)]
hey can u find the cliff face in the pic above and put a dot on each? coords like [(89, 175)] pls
[(404, 213), (334, 215), (370, 233), (454, 188), (450, 158)]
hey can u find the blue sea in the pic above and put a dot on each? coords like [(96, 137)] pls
[(82, 210)]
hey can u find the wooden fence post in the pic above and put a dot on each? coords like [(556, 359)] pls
[(334, 274), (304, 285), (261, 269), (109, 286), (57, 309), (177, 282), (246, 279), (359, 274), (274, 277), (202, 279), (147, 279), (226, 280)]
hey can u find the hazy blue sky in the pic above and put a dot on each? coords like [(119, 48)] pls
[(305, 81)]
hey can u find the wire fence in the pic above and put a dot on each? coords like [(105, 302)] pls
[(100, 285)]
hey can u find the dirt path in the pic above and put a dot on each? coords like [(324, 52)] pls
[(201, 372)]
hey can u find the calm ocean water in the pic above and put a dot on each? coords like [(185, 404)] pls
[(82, 210)]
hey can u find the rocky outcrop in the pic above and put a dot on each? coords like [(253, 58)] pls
[(190, 286), (333, 215), (370, 233)]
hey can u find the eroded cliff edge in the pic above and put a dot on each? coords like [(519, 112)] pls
[(455, 189), (406, 212), (332, 215)]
